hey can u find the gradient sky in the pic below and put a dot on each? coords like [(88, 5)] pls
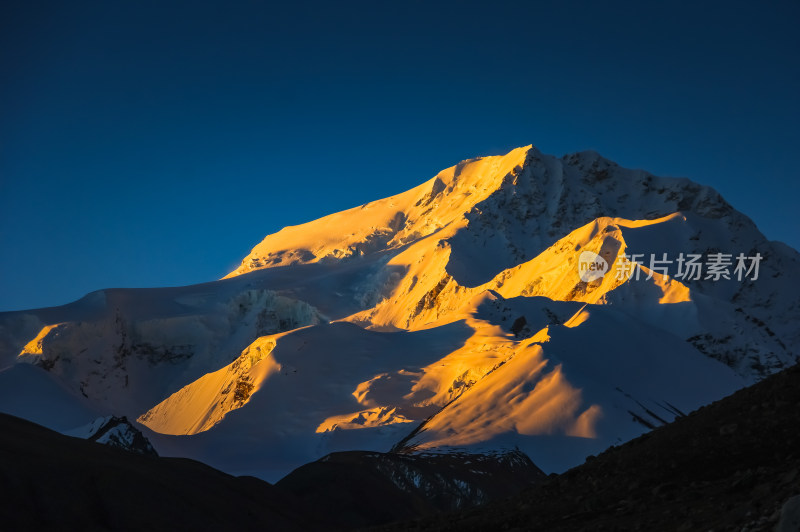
[(154, 143)]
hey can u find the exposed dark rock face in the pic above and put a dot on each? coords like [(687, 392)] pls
[(358, 488)]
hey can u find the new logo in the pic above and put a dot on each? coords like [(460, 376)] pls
[(591, 266)]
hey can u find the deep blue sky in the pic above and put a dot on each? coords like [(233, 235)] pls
[(144, 145)]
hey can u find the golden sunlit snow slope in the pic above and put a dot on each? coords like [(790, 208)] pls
[(439, 203), (553, 274), (428, 294), (202, 404)]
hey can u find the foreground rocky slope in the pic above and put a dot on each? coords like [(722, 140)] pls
[(355, 488), (55, 482)]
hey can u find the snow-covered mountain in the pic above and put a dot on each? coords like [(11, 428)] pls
[(115, 432), (454, 317)]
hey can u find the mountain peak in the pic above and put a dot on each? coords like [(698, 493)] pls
[(391, 222), (453, 317), (522, 201)]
